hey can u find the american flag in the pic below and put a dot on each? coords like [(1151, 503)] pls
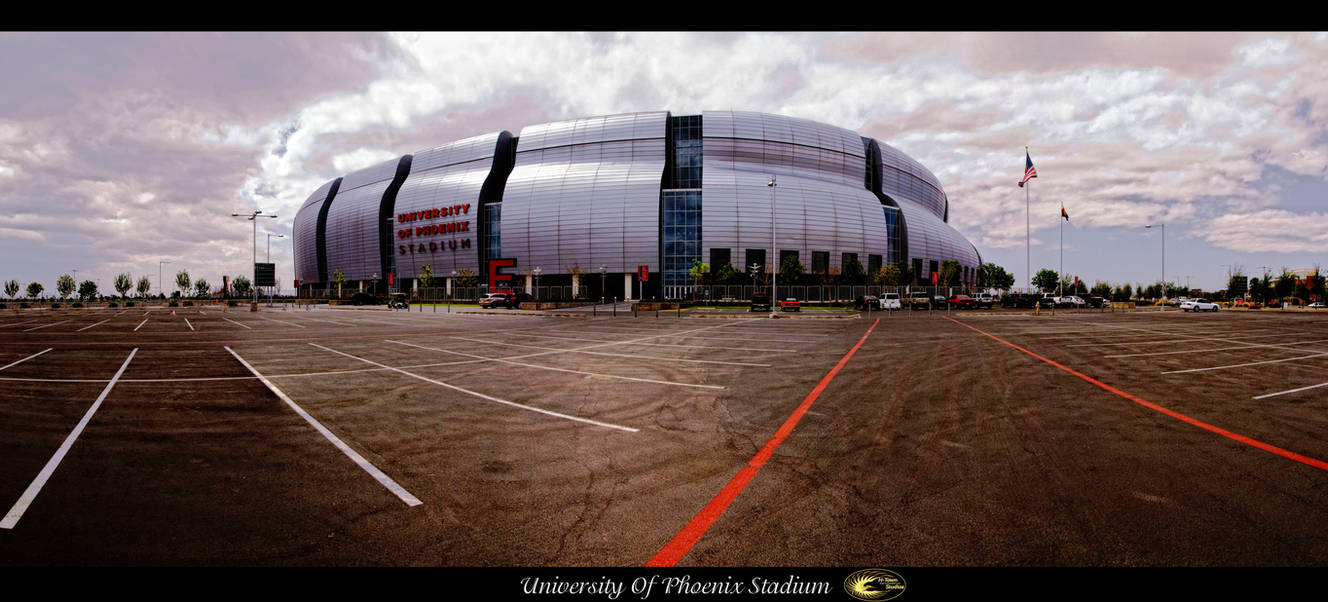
[(1029, 172)]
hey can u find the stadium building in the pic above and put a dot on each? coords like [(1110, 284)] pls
[(621, 206)]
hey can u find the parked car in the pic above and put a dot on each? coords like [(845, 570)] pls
[(364, 299), (514, 300), (1097, 301), (1047, 300), (790, 304), (1020, 300), (890, 301), (760, 302), (938, 301), (1316, 305), (1070, 301), (1198, 305), (983, 300), (494, 300), (918, 301), (398, 301), (865, 301), (961, 302)]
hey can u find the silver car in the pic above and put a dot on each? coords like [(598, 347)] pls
[(1198, 305)]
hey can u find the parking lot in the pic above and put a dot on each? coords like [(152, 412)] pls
[(196, 436)]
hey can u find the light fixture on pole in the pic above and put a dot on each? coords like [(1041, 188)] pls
[(774, 250), (1163, 228), (253, 217), (159, 292), (537, 271), (603, 271)]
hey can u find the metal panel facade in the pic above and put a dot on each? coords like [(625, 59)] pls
[(901, 175), (352, 223), (820, 201), (585, 193), (931, 239), (304, 235), (438, 234)]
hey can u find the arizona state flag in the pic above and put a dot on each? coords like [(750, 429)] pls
[(1064, 214)]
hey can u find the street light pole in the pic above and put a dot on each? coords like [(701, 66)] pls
[(253, 217), (774, 250), (159, 291), (603, 271), (1163, 228), (269, 250)]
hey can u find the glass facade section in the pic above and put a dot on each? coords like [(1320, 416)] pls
[(891, 235), (686, 152), (493, 218), (682, 239)]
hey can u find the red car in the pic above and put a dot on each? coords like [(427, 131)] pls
[(961, 302), (790, 304)]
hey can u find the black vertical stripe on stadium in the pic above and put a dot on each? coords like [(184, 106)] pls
[(386, 215), (874, 169), (504, 160), (320, 231)]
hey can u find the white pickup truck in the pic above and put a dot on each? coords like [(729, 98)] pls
[(890, 301)]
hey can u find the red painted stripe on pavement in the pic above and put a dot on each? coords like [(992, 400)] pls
[(1290, 455), (682, 543)]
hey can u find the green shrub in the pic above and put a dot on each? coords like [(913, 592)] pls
[(78, 304), (129, 303), (55, 306), (188, 303), (112, 305), (231, 303), (24, 304), (174, 303)]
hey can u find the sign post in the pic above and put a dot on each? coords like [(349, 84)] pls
[(642, 276)]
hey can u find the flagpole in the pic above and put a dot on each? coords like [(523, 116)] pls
[(1060, 282), (1028, 263)]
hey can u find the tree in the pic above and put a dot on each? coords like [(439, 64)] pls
[(11, 288), (201, 288), (182, 281), (241, 286), (426, 277), (994, 276), (339, 277), (123, 283), (1314, 282), (698, 272), (887, 275), (1046, 280), (853, 272), (467, 279), (1285, 285), (949, 273), (64, 285), (87, 289), (728, 274), (1101, 289), (34, 289), (144, 285), (791, 270)]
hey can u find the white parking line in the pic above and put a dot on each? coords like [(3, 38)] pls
[(1289, 391), (140, 324), (1217, 349), (359, 460), (481, 395), (706, 347), (25, 500), (186, 323), (26, 358), (45, 325), (91, 325), (1289, 359), (236, 323), (1185, 339), (282, 322), (617, 355), (505, 361)]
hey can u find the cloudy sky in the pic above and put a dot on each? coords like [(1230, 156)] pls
[(122, 150)]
